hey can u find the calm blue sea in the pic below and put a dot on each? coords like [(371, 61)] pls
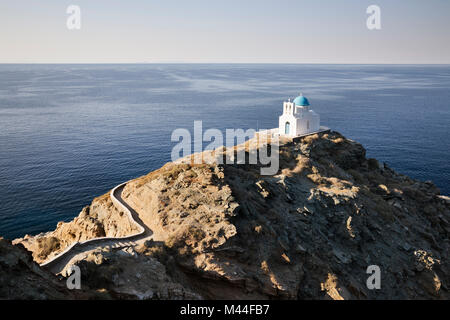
[(69, 133)]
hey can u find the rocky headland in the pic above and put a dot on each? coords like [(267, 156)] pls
[(227, 232)]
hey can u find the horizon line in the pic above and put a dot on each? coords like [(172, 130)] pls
[(187, 62)]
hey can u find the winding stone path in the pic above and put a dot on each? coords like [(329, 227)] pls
[(59, 262)]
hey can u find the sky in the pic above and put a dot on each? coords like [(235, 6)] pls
[(226, 31)]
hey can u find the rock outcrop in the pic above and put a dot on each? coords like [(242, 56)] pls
[(100, 219), (22, 278), (309, 232)]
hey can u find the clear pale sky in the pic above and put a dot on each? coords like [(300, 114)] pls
[(272, 31)]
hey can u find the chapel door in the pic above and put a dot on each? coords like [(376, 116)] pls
[(287, 128)]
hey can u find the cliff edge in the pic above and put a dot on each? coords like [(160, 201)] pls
[(309, 232)]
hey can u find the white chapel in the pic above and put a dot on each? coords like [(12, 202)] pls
[(297, 118)]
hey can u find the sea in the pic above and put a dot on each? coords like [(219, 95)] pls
[(69, 133)]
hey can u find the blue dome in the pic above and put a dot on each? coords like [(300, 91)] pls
[(301, 101)]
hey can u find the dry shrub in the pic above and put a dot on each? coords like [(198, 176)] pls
[(385, 210), (310, 139), (338, 140), (47, 245), (380, 206), (357, 177), (188, 235), (158, 252), (373, 164), (317, 179)]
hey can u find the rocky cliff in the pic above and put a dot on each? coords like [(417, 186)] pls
[(100, 219), (309, 232), (22, 278)]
